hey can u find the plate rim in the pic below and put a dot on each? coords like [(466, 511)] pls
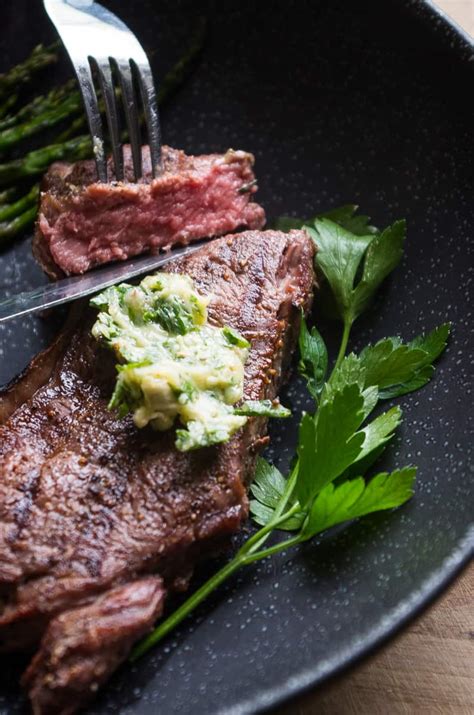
[(360, 647)]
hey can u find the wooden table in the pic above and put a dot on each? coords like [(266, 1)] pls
[(429, 668), (462, 11)]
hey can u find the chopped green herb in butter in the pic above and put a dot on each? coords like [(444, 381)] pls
[(172, 363)]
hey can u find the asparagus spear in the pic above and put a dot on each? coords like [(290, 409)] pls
[(77, 125), (9, 229), (6, 195), (12, 210), (8, 104), (40, 104), (13, 135), (37, 161), (178, 74), (22, 73)]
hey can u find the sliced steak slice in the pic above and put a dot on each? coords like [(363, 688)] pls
[(83, 223), (89, 502), (82, 647)]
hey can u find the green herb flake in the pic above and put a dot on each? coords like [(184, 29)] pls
[(234, 337), (262, 408)]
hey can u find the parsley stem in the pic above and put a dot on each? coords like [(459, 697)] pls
[(344, 341), (255, 541), (290, 485), (202, 593), (247, 554), (185, 609), (270, 550)]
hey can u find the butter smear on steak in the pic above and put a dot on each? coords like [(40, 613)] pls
[(171, 363)]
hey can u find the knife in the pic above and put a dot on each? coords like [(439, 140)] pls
[(67, 289)]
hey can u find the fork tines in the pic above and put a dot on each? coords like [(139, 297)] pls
[(100, 44)]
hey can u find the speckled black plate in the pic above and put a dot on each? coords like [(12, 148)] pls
[(367, 102)]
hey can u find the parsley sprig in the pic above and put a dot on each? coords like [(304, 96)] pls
[(338, 443)]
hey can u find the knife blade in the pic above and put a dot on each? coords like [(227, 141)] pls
[(68, 289)]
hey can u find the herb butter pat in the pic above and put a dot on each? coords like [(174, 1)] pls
[(172, 363)]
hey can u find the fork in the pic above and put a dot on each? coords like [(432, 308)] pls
[(98, 42)]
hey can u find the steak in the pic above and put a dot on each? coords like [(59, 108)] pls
[(98, 519), (83, 223), (92, 640)]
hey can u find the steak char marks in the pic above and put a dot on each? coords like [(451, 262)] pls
[(98, 520), (83, 223)]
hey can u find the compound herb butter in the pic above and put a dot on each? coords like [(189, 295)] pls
[(172, 363)]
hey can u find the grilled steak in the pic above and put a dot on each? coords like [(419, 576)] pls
[(85, 645), (83, 223), (90, 505)]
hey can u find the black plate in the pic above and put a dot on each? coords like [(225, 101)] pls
[(367, 102)]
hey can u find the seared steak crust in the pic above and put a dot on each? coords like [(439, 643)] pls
[(89, 502), (83, 223), (83, 646)]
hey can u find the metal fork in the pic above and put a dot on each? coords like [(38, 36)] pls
[(97, 41)]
